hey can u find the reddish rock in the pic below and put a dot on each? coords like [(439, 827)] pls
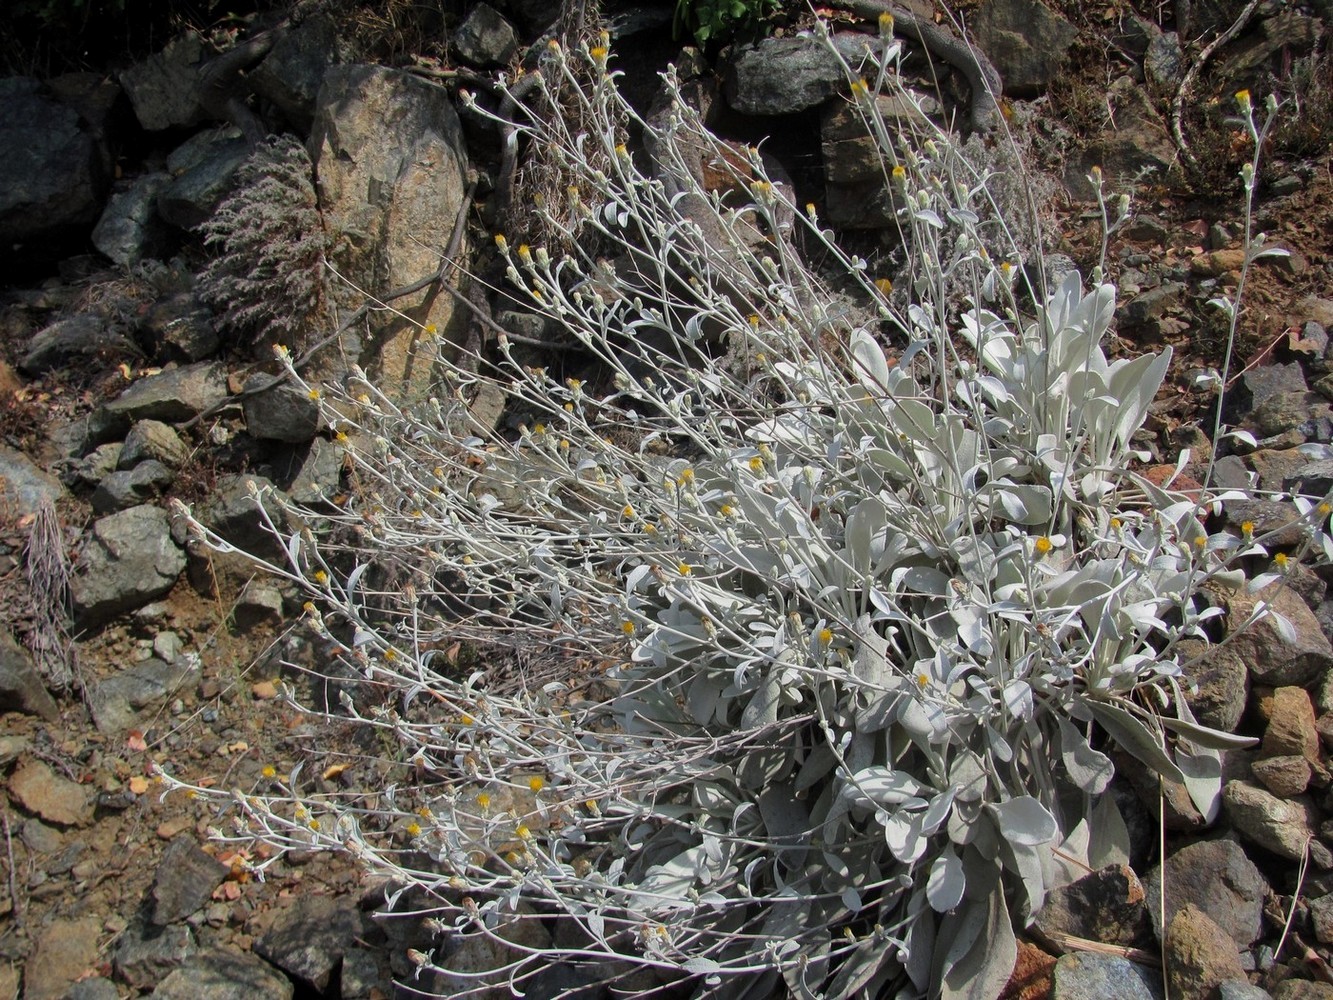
[(56, 799), (1291, 725), (1199, 956)]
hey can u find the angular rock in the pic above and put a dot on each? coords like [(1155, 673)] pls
[(203, 172), (1138, 144), (485, 38), (145, 954), (1275, 466), (51, 179), (781, 76), (1321, 915), (1107, 905), (1240, 989), (1282, 826), (53, 797), (1090, 976), (21, 686), (224, 975), (24, 487), (181, 328), (1152, 304), (291, 73), (1291, 725), (309, 935), (1271, 522), (280, 413), (1285, 777), (1266, 382), (1302, 989), (164, 88), (1313, 479), (1164, 63), (185, 879), (233, 512), (310, 474), (129, 487), (1271, 657), (173, 395), (1221, 683), (391, 164), (94, 988), (81, 336), (65, 950), (1278, 415), (1025, 40), (116, 701), (40, 838), (258, 604), (152, 440), (128, 560), (1217, 877), (129, 229), (1199, 956), (365, 972)]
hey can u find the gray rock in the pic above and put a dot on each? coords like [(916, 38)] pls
[(21, 686), (1271, 522), (95, 988), (168, 647), (291, 73), (1291, 411), (93, 467), (309, 935), (173, 395), (1302, 989), (391, 164), (258, 604), (310, 474), (1218, 877), (780, 76), (1025, 40), (1240, 989), (1321, 915), (1220, 683), (1106, 905), (224, 975), (115, 702), (63, 951), (181, 328), (152, 440), (1152, 304), (203, 172), (1199, 954), (24, 487), (366, 971), (129, 230), (128, 487), (82, 336), (1313, 479), (1276, 466), (280, 413), (1267, 381), (232, 511), (1230, 473), (1164, 63), (51, 178), (1089, 976), (128, 560), (1282, 826), (485, 38), (164, 88), (145, 953), (185, 879), (40, 838), (1271, 657)]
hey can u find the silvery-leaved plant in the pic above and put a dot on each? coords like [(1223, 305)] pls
[(877, 584)]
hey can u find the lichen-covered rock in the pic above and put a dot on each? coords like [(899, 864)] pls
[(1200, 956), (391, 165)]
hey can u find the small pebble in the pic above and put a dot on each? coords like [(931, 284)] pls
[(264, 690)]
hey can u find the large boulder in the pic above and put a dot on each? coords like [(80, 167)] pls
[(292, 72), (391, 167), (51, 174), (164, 88), (781, 76)]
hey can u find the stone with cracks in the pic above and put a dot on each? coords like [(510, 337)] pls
[(128, 559)]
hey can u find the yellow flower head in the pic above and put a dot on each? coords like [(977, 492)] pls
[(484, 800), (860, 88), (1247, 529), (536, 783), (599, 53), (414, 829), (313, 394), (627, 627), (1243, 101), (885, 286), (686, 476), (684, 569), (900, 173), (1280, 561), (886, 25), (627, 510), (269, 771), (501, 243), (523, 832), (826, 635), (756, 464), (321, 577), (1042, 545)]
